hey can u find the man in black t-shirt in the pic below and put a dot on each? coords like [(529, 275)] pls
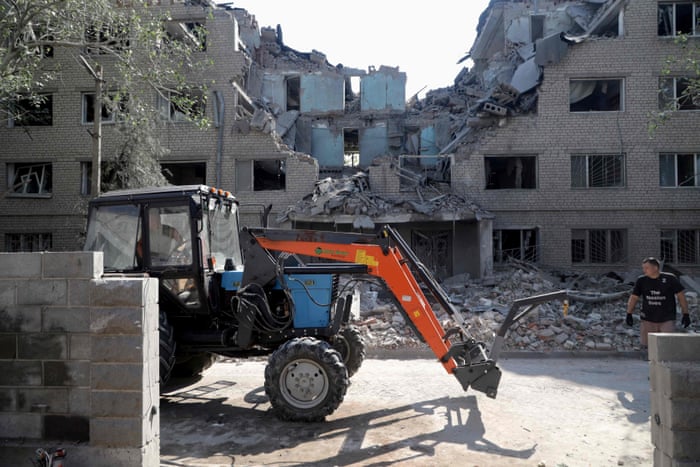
[(658, 291)]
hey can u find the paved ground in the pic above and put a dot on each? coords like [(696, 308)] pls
[(549, 411)]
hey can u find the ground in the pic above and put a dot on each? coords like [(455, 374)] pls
[(549, 412)]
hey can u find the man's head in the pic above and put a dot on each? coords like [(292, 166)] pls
[(650, 267)]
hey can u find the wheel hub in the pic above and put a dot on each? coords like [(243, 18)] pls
[(304, 383)]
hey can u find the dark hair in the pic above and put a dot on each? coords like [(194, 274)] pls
[(652, 260)]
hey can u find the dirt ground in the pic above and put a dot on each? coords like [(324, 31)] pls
[(549, 412)]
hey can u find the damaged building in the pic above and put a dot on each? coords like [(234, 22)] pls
[(540, 151)]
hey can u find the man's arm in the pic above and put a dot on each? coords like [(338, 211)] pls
[(632, 302)]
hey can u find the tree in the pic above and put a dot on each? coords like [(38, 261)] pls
[(129, 39), (679, 83)]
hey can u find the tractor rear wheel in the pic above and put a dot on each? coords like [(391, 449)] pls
[(193, 364), (351, 345), (305, 380), (166, 348)]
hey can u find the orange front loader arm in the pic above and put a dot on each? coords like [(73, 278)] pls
[(389, 258)]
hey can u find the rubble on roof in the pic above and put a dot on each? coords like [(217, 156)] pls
[(515, 41), (352, 196)]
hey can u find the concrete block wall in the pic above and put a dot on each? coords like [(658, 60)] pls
[(78, 360), (675, 399)]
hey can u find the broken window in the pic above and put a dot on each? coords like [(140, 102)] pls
[(32, 179), (351, 147), (187, 173), (679, 170), (598, 246), (433, 250), (293, 93), (504, 172), (32, 111), (181, 106), (680, 246), (106, 38), (676, 18), (679, 94), (260, 175), (519, 244), (598, 171), (192, 33), (109, 102), (85, 178), (595, 95), (27, 242)]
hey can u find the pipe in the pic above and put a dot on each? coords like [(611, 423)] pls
[(220, 142)]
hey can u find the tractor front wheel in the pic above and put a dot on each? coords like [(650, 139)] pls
[(305, 380)]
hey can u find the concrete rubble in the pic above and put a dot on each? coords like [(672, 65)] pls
[(594, 321), (515, 42), (352, 195)]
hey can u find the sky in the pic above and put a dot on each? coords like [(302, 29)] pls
[(425, 40)]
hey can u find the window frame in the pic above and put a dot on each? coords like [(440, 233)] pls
[(14, 121), (610, 252), (695, 19), (249, 185), (535, 170), (676, 184), (43, 237), (587, 176), (174, 113), (622, 96), (672, 236), (668, 102), (44, 181)]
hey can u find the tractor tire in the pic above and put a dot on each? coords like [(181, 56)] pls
[(166, 348), (351, 345), (193, 365), (305, 380)]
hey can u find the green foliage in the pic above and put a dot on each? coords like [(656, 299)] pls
[(686, 67), (135, 43)]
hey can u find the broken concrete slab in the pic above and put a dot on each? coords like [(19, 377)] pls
[(285, 121), (550, 50), (527, 76)]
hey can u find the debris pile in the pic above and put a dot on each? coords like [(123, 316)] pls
[(352, 196), (595, 319)]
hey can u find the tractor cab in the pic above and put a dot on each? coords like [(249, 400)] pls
[(182, 235)]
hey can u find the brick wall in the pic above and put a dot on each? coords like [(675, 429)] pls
[(79, 361), (675, 398), (554, 134)]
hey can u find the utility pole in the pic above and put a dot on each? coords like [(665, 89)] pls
[(96, 127)]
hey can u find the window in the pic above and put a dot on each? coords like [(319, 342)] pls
[(110, 102), (35, 111), (192, 33), (30, 179), (678, 94), (86, 178), (598, 171), (27, 242), (106, 39), (503, 172), (680, 246), (598, 246), (351, 145), (180, 107), (677, 18), (293, 93), (595, 95), (192, 173), (515, 243), (679, 170), (260, 175)]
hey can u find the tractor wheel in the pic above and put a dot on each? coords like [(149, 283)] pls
[(166, 348), (351, 345), (193, 365), (305, 380)]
